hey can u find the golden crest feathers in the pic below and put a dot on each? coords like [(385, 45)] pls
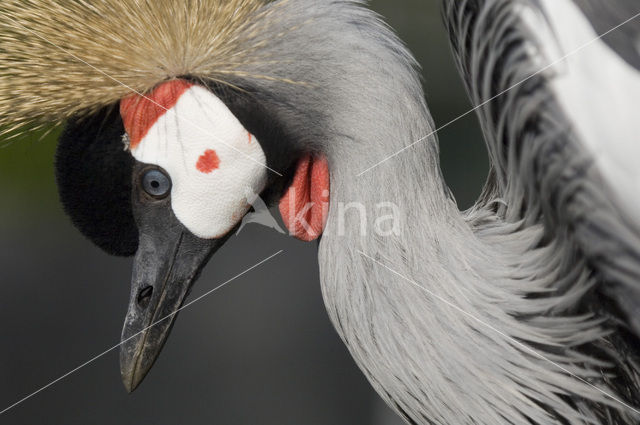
[(63, 57)]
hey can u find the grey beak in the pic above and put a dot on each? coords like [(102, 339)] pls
[(167, 263)]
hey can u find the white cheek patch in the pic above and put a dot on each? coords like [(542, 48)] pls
[(214, 163)]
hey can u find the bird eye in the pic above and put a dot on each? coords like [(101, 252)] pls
[(156, 183)]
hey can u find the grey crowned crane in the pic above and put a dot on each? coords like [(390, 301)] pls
[(523, 309)]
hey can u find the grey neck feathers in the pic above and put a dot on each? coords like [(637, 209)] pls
[(457, 317), (444, 320), (440, 316)]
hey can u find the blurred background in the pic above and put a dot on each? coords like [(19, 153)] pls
[(259, 351)]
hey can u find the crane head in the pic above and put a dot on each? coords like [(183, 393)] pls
[(166, 177), (241, 98)]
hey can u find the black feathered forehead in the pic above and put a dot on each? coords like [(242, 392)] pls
[(93, 173)]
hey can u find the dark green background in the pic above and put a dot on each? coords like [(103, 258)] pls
[(260, 351)]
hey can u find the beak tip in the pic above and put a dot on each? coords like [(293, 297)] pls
[(131, 380), (130, 387), (131, 373)]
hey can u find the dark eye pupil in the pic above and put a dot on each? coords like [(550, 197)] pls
[(156, 183)]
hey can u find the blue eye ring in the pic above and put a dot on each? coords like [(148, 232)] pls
[(156, 183)]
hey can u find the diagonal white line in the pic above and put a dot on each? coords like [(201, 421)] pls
[(499, 332), (552, 64), (55, 381), (140, 94)]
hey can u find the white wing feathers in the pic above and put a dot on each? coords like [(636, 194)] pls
[(598, 91)]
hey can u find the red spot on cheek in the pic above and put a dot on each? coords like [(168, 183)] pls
[(208, 161), (249, 138)]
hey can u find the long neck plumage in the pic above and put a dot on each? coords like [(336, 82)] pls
[(440, 309), (446, 312)]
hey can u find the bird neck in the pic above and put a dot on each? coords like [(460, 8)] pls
[(424, 295)]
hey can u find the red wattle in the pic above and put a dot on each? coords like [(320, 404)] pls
[(305, 205)]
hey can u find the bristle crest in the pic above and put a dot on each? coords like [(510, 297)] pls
[(62, 58)]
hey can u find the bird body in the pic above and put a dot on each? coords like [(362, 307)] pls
[(522, 309), (593, 87)]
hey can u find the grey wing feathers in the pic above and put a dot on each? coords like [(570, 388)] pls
[(607, 14), (540, 166)]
